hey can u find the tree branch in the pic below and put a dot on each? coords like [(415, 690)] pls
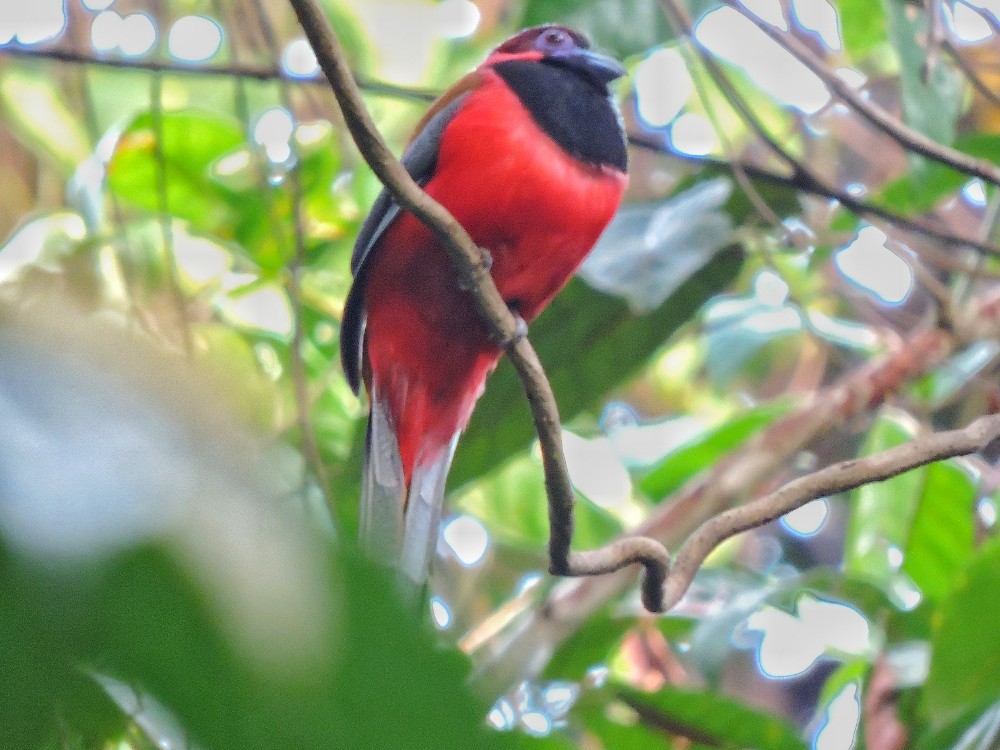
[(59, 54), (839, 477), (473, 274)]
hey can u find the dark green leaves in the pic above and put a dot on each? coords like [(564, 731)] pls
[(710, 719)]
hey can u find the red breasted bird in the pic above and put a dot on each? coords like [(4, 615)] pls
[(528, 153)]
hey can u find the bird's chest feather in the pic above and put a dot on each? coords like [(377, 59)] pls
[(536, 209)]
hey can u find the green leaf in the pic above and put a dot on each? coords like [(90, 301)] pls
[(512, 503), (590, 645), (191, 142), (710, 718), (693, 457), (36, 110), (589, 343), (862, 26), (942, 535), (919, 191), (931, 108), (882, 513), (965, 661), (621, 732)]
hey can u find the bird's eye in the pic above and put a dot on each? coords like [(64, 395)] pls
[(554, 40)]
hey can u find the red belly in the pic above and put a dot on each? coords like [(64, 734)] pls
[(535, 209)]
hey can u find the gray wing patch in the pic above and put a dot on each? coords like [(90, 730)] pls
[(419, 159)]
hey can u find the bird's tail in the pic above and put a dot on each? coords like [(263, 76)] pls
[(399, 519)]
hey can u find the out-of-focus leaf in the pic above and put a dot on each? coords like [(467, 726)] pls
[(930, 108), (740, 328), (965, 661), (37, 112), (40, 241), (882, 513), (862, 26), (512, 503), (696, 455), (712, 719), (621, 730), (949, 378), (192, 141), (175, 563), (591, 644), (919, 191), (651, 248), (942, 535), (589, 343), (229, 362)]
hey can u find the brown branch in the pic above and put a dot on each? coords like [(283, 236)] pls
[(473, 274), (839, 477), (58, 54), (904, 135), (733, 477)]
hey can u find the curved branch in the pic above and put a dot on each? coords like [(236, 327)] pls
[(471, 267), (831, 480)]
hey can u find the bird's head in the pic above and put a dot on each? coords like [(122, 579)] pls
[(560, 46)]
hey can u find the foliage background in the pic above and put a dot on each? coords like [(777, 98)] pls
[(179, 459)]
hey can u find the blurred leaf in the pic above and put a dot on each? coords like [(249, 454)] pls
[(931, 108), (192, 141), (711, 719), (617, 734), (862, 26), (965, 661), (36, 110), (882, 513), (948, 379), (590, 645), (704, 451), (943, 531), (649, 249), (853, 671), (589, 343), (739, 328), (919, 191), (512, 503)]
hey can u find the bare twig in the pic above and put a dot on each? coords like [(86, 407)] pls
[(58, 54), (831, 480), (904, 135), (473, 274)]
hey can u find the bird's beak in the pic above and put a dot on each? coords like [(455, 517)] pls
[(601, 68)]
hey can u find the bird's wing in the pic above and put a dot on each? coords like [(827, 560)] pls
[(420, 160)]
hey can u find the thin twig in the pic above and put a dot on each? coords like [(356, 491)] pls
[(371, 86), (839, 477), (904, 135), (473, 275)]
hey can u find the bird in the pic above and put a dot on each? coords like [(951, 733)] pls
[(528, 152)]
